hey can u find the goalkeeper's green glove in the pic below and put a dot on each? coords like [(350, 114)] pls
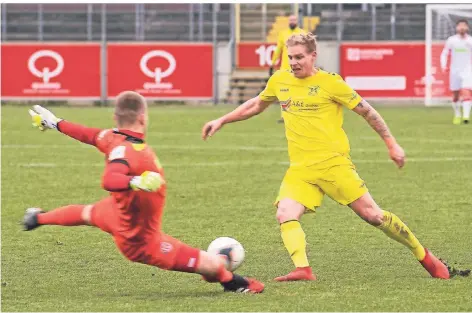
[(43, 118), (147, 181)]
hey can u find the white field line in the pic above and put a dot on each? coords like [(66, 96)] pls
[(281, 135), (278, 134), (156, 147), (421, 140), (210, 148), (236, 163)]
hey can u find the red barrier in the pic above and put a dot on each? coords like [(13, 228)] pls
[(254, 55), (50, 71), (185, 71), (395, 70), (161, 71)]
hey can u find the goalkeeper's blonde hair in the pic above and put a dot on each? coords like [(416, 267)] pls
[(308, 40), (128, 106)]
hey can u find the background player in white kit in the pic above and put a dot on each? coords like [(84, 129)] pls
[(459, 47)]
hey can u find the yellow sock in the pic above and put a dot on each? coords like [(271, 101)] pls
[(393, 227), (293, 237)]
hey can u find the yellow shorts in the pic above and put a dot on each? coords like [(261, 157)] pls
[(336, 177)]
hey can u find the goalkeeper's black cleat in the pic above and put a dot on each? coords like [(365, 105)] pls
[(30, 220), (241, 284), (466, 121)]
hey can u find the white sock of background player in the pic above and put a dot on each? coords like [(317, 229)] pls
[(466, 104), (457, 108)]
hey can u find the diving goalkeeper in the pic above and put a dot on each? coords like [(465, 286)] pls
[(132, 213)]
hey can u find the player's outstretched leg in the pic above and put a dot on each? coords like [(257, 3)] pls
[(102, 214), (70, 215), (30, 219), (394, 228), (457, 107), (168, 253), (293, 237), (213, 269)]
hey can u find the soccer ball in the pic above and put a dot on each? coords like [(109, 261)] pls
[(228, 245)]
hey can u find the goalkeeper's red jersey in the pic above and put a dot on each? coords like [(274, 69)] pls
[(139, 212)]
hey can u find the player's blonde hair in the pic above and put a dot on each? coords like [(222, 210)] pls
[(308, 40), (128, 106)]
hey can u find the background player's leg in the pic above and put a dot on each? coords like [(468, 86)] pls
[(394, 228), (466, 95), (456, 105), (455, 85)]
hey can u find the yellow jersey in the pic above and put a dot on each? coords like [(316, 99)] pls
[(281, 48), (312, 109)]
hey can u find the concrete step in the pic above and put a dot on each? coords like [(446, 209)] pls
[(245, 85)]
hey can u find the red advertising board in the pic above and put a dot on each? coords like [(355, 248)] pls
[(254, 55), (50, 70), (161, 71), (394, 70)]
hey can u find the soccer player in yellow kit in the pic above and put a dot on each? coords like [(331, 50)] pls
[(312, 101), (281, 50)]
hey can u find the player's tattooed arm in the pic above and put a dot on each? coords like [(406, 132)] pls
[(374, 119)]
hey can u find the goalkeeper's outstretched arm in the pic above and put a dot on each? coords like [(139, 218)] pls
[(79, 132), (45, 119)]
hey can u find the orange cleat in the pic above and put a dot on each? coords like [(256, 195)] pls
[(300, 273), (235, 283), (249, 285), (254, 286), (241, 284), (434, 266)]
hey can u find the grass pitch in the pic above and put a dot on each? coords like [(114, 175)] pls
[(225, 187)]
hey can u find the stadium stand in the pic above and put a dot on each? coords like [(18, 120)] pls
[(170, 22), (161, 22)]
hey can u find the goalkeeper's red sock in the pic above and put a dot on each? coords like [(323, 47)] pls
[(70, 215)]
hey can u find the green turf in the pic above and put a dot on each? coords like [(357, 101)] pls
[(225, 187)]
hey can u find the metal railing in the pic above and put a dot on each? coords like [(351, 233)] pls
[(195, 21), (138, 22)]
